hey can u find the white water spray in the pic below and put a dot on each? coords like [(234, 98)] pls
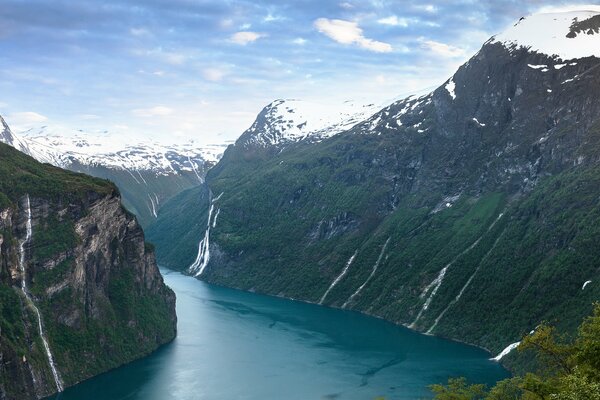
[(22, 244), (370, 276), (437, 282), (339, 277)]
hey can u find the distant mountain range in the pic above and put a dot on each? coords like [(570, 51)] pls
[(471, 212), (148, 174)]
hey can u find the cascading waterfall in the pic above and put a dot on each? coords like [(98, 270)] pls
[(216, 216), (370, 276), (22, 244), (153, 209), (199, 265), (339, 277), (437, 282), (505, 352), (466, 285)]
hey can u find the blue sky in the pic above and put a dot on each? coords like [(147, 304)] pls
[(173, 70)]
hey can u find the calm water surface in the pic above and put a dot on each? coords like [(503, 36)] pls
[(234, 345)]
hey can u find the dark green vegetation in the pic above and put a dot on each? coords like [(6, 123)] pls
[(567, 369), (20, 174), (474, 217), (90, 273)]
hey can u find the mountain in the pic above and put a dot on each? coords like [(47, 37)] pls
[(471, 212), (148, 174), (80, 291)]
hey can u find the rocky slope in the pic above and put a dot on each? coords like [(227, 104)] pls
[(471, 212), (148, 174), (80, 292)]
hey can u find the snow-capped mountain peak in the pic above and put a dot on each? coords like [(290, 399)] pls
[(91, 148), (285, 121), (565, 35)]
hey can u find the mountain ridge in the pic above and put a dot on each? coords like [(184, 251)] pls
[(431, 196)]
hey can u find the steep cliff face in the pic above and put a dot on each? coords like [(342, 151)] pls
[(80, 292), (469, 212)]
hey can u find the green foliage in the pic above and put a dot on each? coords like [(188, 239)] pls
[(21, 174), (458, 389), (571, 369), (53, 237)]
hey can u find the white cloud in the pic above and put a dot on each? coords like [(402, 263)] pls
[(567, 8), (299, 41), (245, 37), (347, 6), (393, 21), (430, 8), (139, 32), (213, 74), (270, 18), (88, 117), (348, 32), (26, 117), (158, 111), (442, 49)]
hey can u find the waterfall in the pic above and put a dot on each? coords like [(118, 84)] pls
[(215, 220), (370, 276), (197, 268), (199, 265), (153, 209), (339, 277), (22, 244), (457, 298), (505, 352), (437, 282)]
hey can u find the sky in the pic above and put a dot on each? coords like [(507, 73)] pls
[(179, 70)]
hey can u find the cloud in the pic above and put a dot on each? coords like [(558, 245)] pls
[(567, 8), (348, 32), (245, 37), (158, 111), (27, 117), (393, 21), (271, 18), (139, 32), (88, 117), (299, 41), (442, 49), (213, 74)]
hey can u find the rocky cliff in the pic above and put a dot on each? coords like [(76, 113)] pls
[(80, 291)]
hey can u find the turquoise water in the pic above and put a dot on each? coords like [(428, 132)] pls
[(234, 345)]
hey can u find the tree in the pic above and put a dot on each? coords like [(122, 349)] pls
[(570, 369)]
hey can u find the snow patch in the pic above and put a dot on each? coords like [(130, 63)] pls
[(550, 34), (450, 87)]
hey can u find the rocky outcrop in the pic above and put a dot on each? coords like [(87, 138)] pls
[(88, 272)]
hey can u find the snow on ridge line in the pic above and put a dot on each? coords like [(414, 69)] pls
[(62, 151), (547, 34), (295, 120)]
